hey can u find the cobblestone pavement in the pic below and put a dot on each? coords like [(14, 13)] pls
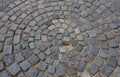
[(60, 38)]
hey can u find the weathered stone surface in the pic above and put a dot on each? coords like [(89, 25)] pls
[(106, 70), (19, 57), (32, 72), (117, 71), (60, 71), (42, 65), (71, 70), (7, 49), (14, 69), (112, 61), (93, 69), (4, 74), (51, 69), (25, 65), (8, 59), (33, 59), (94, 50), (81, 65)]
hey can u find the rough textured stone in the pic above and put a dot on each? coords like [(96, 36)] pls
[(60, 71), (94, 50), (71, 70), (42, 65), (106, 70), (25, 65), (19, 57), (112, 61), (7, 49), (9, 59), (103, 53), (92, 33), (14, 69), (117, 71), (99, 61), (32, 72), (93, 69), (51, 69), (33, 59), (4, 74), (81, 65)]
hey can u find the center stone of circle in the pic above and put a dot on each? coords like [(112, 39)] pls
[(63, 26)]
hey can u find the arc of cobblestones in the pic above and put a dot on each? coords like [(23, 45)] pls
[(52, 38)]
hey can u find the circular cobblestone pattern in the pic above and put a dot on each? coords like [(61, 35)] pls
[(60, 38)]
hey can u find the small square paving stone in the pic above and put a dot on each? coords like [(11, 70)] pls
[(19, 57), (5, 18), (32, 45), (1, 66), (17, 48), (33, 59), (90, 58), (36, 51), (99, 61), (32, 72), (42, 56), (13, 18), (14, 69), (112, 43), (60, 71), (93, 69), (25, 65), (94, 50), (51, 69), (56, 62), (113, 52), (104, 45), (16, 39), (117, 72), (112, 61), (42, 47), (92, 33), (81, 65), (4, 74), (102, 37), (103, 53), (42, 65), (71, 70), (8, 59), (73, 35), (106, 69), (27, 53), (48, 60), (2, 37), (7, 49), (110, 35), (79, 47)]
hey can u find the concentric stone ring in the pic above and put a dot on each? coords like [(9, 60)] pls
[(60, 38)]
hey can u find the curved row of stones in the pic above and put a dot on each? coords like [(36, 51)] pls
[(52, 38)]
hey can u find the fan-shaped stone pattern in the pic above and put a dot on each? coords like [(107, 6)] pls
[(52, 38)]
